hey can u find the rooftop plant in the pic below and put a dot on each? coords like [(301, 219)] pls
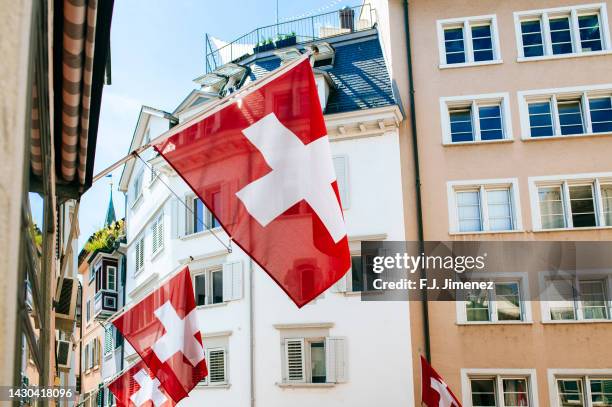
[(104, 239)]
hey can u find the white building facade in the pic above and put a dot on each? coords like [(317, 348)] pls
[(261, 349)]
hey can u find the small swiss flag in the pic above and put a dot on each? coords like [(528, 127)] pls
[(434, 391), (139, 387), (163, 328), (262, 165)]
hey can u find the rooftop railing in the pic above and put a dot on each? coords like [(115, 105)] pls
[(289, 33)]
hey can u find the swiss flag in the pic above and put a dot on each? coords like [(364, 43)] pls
[(434, 391), (163, 328), (262, 164), (139, 387)]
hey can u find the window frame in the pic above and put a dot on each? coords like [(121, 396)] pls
[(206, 381), (108, 279), (564, 182), (474, 102), (483, 186), (573, 12), (137, 187), (560, 95), (467, 23), (529, 375), (521, 278), (584, 375), (208, 285)]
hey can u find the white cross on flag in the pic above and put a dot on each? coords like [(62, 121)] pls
[(262, 165), (434, 391), (163, 328), (137, 387)]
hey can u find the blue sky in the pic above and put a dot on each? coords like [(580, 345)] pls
[(156, 53)]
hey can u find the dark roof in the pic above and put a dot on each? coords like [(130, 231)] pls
[(359, 74)]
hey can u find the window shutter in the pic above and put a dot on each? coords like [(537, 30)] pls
[(341, 176), (174, 215), (294, 359), (335, 360), (216, 365), (227, 282), (108, 339), (160, 231), (154, 237), (232, 281)]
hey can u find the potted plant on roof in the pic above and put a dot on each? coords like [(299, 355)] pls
[(287, 40), (264, 45)]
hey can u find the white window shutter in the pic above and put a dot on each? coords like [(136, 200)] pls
[(216, 365), (154, 237), (237, 280), (227, 282), (335, 359), (160, 231), (174, 224), (340, 165), (294, 361)]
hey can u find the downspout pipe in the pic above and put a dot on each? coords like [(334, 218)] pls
[(417, 175), (252, 330)]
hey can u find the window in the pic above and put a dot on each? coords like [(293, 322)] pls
[(471, 40), (360, 277), (86, 357), (566, 113), (562, 31), (88, 313), (157, 234), (137, 187), (199, 218), (139, 255), (111, 278), (109, 340), (585, 391), (216, 361), (502, 303), (314, 360), (216, 207), (579, 298), (479, 118), (487, 207), (573, 203), (218, 284), (500, 390)]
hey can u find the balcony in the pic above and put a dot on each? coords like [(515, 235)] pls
[(105, 304), (287, 34)]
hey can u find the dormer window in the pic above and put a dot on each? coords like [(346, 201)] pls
[(288, 54), (322, 54)]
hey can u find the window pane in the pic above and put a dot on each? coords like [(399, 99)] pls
[(570, 392), (490, 123), (200, 289), (468, 208), (216, 207), (551, 208), (483, 392), (453, 42), (593, 297), (356, 273), (507, 299), (500, 209), (582, 205), (198, 215), (317, 361), (601, 114), (532, 38), (570, 117), (515, 393), (590, 34), (560, 294), (477, 305), (601, 392), (482, 43), (560, 35), (540, 119), (606, 198), (217, 287), (461, 125)]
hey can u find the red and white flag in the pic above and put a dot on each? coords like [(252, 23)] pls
[(163, 328), (434, 391), (262, 164), (139, 387)]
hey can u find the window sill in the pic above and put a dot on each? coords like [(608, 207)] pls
[(486, 232), (569, 136), (156, 254), (219, 304), (564, 56), (200, 234), (469, 64), (577, 321), (214, 386), (469, 143), (486, 323), (305, 385), (352, 293), (572, 229)]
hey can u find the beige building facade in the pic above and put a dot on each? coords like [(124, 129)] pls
[(514, 131)]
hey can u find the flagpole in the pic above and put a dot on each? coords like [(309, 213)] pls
[(213, 108)]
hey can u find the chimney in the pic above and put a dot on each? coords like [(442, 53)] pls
[(347, 18)]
